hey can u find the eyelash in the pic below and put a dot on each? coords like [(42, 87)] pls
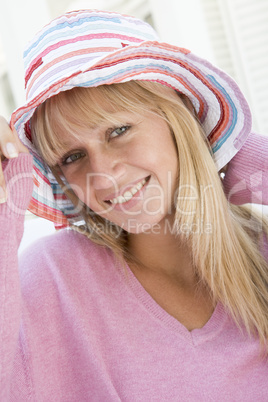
[(64, 159), (113, 130), (110, 132)]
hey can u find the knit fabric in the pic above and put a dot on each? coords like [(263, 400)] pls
[(252, 187), (77, 326)]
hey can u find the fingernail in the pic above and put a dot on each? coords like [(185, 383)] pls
[(11, 150), (3, 195)]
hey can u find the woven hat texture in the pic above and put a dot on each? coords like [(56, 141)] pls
[(89, 48)]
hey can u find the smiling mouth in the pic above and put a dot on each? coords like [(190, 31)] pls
[(128, 195)]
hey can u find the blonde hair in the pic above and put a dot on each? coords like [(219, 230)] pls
[(228, 256)]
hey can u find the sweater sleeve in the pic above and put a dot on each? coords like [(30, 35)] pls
[(18, 176), (246, 180)]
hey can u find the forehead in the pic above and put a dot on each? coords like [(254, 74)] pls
[(97, 130), (97, 104), (92, 107)]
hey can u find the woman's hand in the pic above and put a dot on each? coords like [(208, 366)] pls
[(10, 147)]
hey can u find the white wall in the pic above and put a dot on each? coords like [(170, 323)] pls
[(19, 20)]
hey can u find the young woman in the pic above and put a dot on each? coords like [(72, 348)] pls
[(158, 288)]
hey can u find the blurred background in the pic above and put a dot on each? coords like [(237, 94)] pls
[(233, 34)]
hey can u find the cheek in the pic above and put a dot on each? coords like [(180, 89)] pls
[(78, 183), (165, 158)]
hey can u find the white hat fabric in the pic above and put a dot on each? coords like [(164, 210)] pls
[(89, 48)]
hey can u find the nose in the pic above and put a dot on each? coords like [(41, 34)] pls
[(105, 171)]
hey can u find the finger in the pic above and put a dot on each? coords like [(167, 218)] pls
[(7, 141), (10, 144), (10, 147), (19, 145)]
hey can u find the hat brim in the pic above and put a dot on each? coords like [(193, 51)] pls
[(221, 107)]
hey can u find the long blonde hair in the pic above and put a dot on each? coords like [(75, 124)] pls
[(226, 247)]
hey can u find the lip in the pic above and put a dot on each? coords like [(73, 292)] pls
[(134, 200), (124, 189)]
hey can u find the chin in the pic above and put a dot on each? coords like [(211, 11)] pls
[(150, 226)]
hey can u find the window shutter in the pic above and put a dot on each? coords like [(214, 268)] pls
[(239, 37)]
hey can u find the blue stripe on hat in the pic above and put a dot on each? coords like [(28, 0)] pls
[(65, 24), (222, 140)]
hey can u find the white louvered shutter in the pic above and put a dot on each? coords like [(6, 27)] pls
[(238, 30)]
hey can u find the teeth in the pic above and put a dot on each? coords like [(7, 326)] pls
[(134, 191), (120, 199), (128, 194), (139, 186)]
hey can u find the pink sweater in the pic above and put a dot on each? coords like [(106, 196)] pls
[(78, 327)]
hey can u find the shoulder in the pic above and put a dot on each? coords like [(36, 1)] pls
[(246, 179), (66, 258), (65, 245), (253, 156), (64, 277)]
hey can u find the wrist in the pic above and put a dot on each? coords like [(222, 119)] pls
[(18, 174)]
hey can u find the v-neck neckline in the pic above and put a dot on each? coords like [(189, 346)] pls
[(196, 336)]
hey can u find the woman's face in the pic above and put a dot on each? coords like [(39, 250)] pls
[(127, 172)]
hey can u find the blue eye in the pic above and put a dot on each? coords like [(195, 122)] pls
[(119, 131), (72, 158)]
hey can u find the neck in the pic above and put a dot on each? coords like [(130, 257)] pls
[(161, 252)]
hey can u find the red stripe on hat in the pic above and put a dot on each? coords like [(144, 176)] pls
[(18, 113), (68, 56), (81, 39), (41, 175), (27, 130), (33, 67), (40, 209), (36, 182)]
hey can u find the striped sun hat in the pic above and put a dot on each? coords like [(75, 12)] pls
[(88, 48)]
